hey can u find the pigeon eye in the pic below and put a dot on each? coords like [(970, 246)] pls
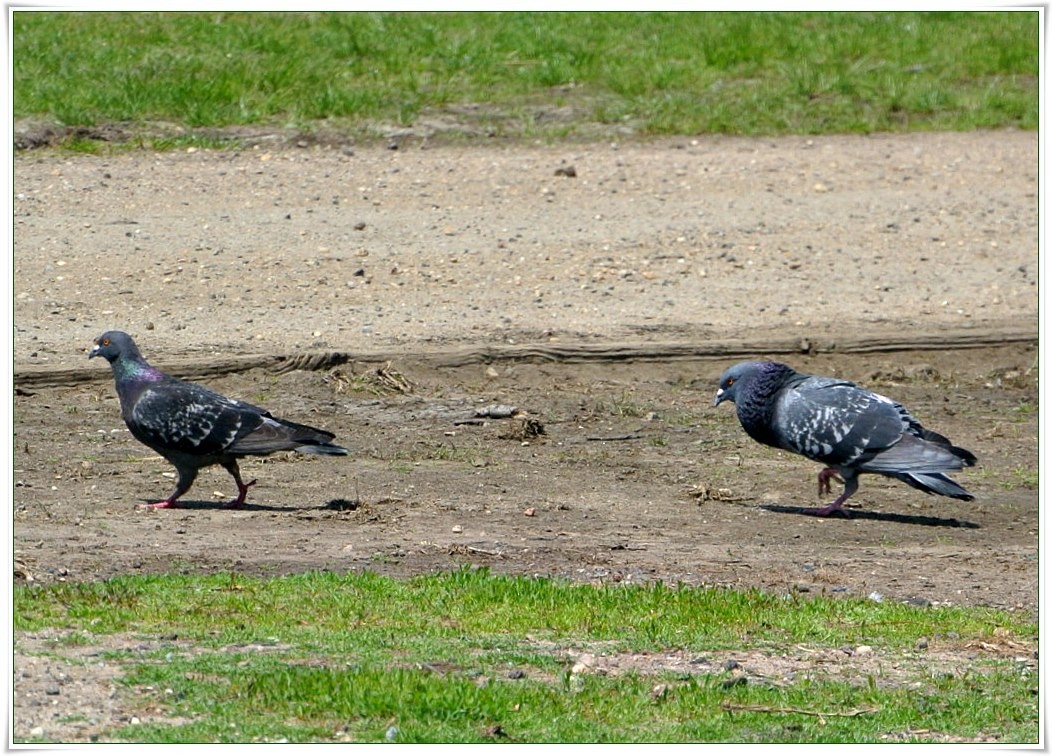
[(730, 382), (105, 342)]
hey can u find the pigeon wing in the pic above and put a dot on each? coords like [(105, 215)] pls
[(836, 422), (274, 434), (183, 417)]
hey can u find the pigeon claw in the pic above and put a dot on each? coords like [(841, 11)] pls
[(242, 492), (829, 473), (166, 504)]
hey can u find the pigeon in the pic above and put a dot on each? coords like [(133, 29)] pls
[(193, 427), (843, 426)]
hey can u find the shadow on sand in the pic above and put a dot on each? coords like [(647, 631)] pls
[(335, 505), (858, 514)]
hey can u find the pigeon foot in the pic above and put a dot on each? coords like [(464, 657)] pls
[(829, 473), (166, 504), (242, 491)]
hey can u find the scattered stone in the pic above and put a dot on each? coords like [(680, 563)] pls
[(497, 411)]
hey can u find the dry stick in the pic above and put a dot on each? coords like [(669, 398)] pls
[(727, 706)]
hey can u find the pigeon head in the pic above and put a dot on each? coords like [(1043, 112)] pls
[(746, 373), (113, 345)]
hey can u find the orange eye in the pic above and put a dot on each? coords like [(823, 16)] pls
[(730, 382), (105, 342)]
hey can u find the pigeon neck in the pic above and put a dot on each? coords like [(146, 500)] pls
[(756, 406), (133, 368)]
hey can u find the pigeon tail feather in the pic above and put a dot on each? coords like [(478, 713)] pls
[(936, 483), (331, 449)]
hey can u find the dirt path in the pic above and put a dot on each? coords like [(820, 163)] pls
[(428, 283)]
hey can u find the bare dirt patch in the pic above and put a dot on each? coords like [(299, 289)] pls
[(602, 305)]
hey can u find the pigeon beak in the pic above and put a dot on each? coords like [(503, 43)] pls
[(718, 398), (94, 352)]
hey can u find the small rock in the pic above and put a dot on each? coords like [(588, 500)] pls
[(863, 651), (497, 411), (530, 511), (584, 663)]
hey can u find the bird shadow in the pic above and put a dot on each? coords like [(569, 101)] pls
[(334, 505), (858, 514)]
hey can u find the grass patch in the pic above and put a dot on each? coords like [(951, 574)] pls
[(472, 657), (548, 75)]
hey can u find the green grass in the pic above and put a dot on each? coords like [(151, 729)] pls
[(545, 75), (321, 657)]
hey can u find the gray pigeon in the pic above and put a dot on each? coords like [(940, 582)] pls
[(845, 427), (193, 427)]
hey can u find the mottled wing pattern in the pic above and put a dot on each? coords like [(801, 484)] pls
[(836, 422), (186, 418)]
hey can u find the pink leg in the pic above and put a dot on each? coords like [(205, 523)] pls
[(850, 486), (823, 480), (186, 479), (242, 488)]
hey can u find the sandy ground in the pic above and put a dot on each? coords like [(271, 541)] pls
[(425, 284)]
